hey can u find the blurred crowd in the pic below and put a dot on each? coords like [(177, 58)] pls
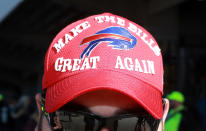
[(17, 113)]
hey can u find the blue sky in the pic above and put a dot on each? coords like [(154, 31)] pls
[(6, 6)]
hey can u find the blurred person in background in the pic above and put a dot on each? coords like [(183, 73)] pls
[(21, 113), (201, 107), (102, 73), (21, 109), (4, 114), (174, 117)]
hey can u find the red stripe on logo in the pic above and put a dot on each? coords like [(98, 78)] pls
[(101, 36)]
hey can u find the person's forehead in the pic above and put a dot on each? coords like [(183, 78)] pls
[(104, 111), (105, 102), (105, 97)]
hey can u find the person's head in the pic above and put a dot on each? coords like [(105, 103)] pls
[(176, 99), (108, 69)]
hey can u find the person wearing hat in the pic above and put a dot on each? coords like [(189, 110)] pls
[(174, 117), (102, 73)]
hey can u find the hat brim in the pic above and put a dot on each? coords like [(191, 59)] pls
[(73, 86)]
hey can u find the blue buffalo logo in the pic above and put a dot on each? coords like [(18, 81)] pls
[(118, 38)]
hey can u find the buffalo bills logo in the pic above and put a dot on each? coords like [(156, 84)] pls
[(118, 38)]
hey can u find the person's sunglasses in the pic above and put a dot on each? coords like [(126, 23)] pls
[(77, 118)]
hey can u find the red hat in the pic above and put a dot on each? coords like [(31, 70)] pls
[(104, 51)]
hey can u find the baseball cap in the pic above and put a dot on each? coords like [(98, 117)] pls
[(104, 51), (176, 96)]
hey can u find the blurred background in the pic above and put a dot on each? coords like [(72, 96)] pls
[(28, 26)]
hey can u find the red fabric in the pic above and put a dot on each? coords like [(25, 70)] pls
[(63, 86)]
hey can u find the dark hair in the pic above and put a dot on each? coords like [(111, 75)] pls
[(153, 124), (40, 123)]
